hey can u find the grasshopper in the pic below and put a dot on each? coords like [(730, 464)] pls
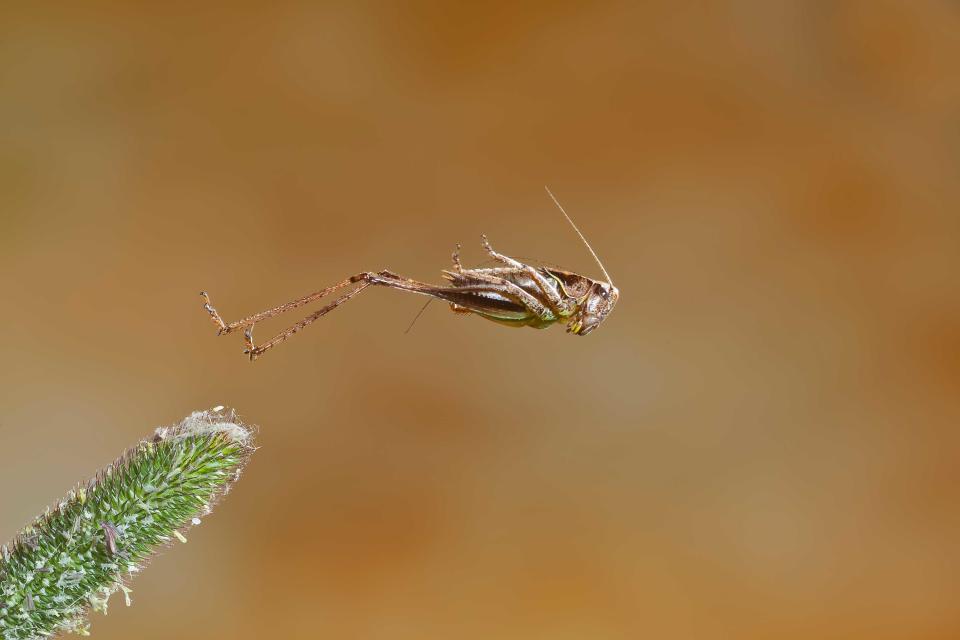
[(515, 294)]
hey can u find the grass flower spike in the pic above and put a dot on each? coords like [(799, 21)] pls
[(75, 556)]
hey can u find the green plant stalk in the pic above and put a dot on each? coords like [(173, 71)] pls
[(75, 556)]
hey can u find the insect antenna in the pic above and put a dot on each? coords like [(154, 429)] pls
[(572, 224)]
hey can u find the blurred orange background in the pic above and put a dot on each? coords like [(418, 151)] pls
[(760, 442)]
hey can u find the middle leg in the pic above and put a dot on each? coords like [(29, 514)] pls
[(557, 302)]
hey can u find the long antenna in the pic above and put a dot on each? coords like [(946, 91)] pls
[(592, 252)]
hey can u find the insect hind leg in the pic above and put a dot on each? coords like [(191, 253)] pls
[(255, 352), (224, 328), (365, 279)]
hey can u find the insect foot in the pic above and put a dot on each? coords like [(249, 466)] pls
[(456, 259), (214, 316), (251, 349), (486, 244)]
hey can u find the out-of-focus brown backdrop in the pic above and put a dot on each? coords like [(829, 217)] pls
[(761, 442)]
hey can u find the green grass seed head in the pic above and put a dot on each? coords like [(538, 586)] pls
[(75, 556)]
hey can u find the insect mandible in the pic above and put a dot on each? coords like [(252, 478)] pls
[(515, 294)]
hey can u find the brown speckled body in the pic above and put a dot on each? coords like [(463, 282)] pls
[(515, 294)]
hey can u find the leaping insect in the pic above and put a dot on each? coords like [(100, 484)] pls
[(516, 295)]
